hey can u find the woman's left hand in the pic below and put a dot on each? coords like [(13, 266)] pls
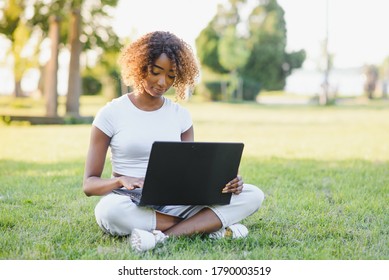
[(235, 186)]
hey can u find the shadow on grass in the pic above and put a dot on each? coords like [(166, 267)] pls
[(313, 210)]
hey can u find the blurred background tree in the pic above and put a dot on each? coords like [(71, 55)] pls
[(371, 79), (261, 63), (85, 26), (14, 27), (384, 74)]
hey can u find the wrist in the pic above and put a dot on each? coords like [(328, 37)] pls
[(118, 182)]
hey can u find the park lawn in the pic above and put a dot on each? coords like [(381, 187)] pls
[(324, 172)]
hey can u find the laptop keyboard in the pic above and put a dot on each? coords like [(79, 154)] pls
[(135, 195)]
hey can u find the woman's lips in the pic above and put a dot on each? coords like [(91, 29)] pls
[(159, 90)]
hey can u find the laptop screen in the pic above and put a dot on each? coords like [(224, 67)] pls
[(190, 173)]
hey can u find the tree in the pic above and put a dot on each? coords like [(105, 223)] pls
[(267, 29), (371, 78), (86, 26), (50, 83), (96, 32), (74, 82), (207, 49), (262, 38), (384, 74), (14, 28), (233, 56), (223, 50)]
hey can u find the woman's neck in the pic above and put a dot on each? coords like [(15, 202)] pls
[(146, 102)]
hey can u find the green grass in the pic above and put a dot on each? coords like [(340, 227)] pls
[(325, 173)]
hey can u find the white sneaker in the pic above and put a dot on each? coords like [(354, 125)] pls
[(142, 240), (232, 231)]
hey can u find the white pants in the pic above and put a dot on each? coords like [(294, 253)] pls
[(118, 215)]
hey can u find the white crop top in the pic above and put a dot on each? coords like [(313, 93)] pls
[(132, 131)]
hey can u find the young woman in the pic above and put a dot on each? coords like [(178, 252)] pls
[(128, 125)]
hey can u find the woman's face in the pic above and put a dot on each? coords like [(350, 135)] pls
[(160, 76)]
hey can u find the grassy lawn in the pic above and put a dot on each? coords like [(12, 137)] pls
[(325, 173)]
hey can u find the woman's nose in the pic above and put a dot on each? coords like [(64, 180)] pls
[(162, 80)]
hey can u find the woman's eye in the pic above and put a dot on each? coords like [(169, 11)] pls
[(154, 73), (172, 77)]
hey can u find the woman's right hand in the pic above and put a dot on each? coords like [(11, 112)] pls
[(131, 183)]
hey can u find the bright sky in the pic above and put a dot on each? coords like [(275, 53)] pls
[(358, 29), (185, 18)]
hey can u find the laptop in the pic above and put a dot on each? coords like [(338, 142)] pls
[(189, 173)]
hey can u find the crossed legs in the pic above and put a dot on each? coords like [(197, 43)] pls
[(205, 221), (117, 215)]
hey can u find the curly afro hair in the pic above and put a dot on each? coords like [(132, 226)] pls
[(136, 58)]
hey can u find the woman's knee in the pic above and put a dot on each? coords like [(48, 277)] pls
[(107, 217), (254, 197), (115, 216)]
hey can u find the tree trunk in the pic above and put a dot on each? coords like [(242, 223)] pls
[(324, 96), (41, 81), (239, 92), (51, 80), (18, 92), (74, 82)]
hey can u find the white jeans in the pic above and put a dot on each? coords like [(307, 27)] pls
[(118, 215)]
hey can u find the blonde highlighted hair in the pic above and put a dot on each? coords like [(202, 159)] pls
[(136, 58)]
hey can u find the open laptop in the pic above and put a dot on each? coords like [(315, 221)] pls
[(189, 173)]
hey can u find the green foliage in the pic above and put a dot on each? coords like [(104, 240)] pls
[(294, 60), (11, 17), (96, 30), (90, 85), (15, 29), (233, 50), (106, 71), (207, 49), (256, 54), (215, 90), (251, 88), (18, 27)]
